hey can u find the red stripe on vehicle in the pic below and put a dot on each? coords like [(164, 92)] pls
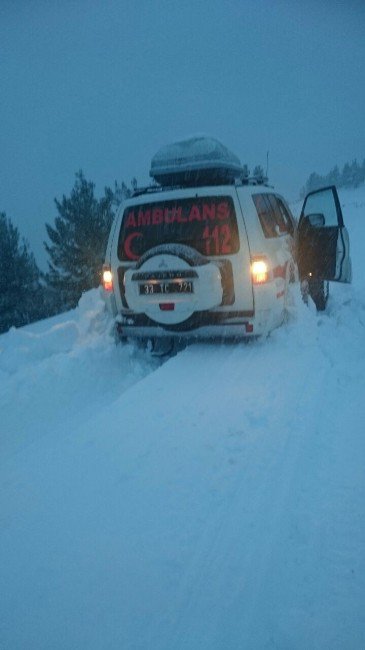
[(280, 271)]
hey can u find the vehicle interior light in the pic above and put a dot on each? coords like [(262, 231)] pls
[(107, 280), (259, 271)]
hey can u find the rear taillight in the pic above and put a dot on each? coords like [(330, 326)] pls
[(107, 279), (260, 270), (167, 306)]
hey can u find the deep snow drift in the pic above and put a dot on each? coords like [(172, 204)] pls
[(213, 501)]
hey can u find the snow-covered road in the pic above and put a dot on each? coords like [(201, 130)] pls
[(212, 502)]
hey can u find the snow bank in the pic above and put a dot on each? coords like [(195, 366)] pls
[(26, 346), (55, 369)]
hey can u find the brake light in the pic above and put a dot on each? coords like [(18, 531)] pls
[(260, 270), (107, 280), (167, 306)]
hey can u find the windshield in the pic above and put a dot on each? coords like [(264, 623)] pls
[(207, 224)]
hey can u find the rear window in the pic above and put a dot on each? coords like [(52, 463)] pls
[(207, 224)]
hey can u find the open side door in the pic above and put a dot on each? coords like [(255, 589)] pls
[(323, 241)]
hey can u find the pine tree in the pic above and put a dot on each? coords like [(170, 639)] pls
[(314, 182), (352, 175), (21, 292), (346, 175), (333, 177), (78, 241), (356, 176)]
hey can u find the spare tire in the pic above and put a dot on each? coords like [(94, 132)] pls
[(186, 253), (172, 281)]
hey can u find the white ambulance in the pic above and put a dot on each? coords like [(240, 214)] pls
[(206, 252)]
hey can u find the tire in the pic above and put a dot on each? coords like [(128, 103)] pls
[(186, 253)]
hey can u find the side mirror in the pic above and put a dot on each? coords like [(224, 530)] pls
[(316, 220)]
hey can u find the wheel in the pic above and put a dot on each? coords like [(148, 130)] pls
[(162, 347)]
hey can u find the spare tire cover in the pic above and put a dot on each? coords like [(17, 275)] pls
[(169, 262)]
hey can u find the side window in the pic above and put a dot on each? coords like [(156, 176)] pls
[(282, 226), (266, 214), (286, 216), (323, 202)]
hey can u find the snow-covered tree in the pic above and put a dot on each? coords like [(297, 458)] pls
[(78, 240), (352, 175), (334, 177), (21, 292), (355, 176)]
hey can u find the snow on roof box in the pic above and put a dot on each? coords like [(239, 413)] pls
[(196, 161)]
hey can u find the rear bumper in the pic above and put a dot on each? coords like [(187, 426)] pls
[(203, 325)]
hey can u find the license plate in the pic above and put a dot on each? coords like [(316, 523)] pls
[(152, 288)]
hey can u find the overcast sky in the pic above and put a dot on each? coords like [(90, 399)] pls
[(102, 84)]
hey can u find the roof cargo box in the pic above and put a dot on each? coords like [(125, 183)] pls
[(195, 161)]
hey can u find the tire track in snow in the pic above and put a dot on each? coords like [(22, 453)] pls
[(257, 507), (195, 481)]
